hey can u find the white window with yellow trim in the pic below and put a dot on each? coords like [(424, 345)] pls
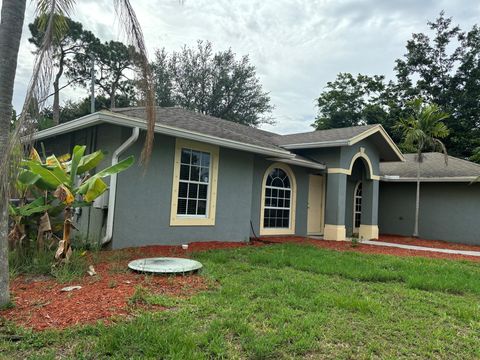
[(278, 201), (194, 184)]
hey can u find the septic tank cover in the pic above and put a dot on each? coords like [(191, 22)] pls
[(165, 265)]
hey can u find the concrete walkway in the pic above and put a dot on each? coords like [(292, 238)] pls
[(422, 248)]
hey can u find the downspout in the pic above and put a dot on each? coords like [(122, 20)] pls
[(113, 185)]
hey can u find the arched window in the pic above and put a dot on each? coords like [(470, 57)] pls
[(278, 200), (357, 206)]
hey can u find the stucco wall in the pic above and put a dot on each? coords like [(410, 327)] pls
[(142, 212), (448, 211)]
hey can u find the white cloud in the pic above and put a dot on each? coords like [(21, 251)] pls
[(296, 45)]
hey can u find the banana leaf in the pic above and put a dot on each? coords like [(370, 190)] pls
[(34, 156), (34, 207), (64, 194), (78, 152), (121, 166), (89, 162), (27, 177), (52, 179), (95, 188)]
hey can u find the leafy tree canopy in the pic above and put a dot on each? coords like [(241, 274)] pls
[(115, 66), (216, 84), (70, 41), (443, 67)]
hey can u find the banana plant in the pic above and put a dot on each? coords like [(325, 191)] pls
[(68, 179)]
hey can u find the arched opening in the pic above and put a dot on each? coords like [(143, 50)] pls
[(357, 186), (278, 201), (357, 207)]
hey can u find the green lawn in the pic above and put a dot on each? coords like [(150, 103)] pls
[(292, 301)]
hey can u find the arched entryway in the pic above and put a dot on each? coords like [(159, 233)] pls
[(352, 199), (356, 183)]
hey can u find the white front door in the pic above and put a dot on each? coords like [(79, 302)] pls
[(316, 198)]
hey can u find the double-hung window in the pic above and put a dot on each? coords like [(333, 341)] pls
[(194, 184)]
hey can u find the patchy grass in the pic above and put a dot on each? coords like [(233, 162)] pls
[(291, 301), (34, 263)]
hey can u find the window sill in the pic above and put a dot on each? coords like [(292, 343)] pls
[(192, 221), (277, 231)]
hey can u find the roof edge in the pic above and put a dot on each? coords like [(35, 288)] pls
[(351, 141), (105, 116), (389, 178), (383, 132)]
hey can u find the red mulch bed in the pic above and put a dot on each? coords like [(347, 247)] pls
[(439, 244), (40, 305), (372, 249)]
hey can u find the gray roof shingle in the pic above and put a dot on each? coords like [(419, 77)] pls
[(432, 167), (192, 121), (323, 135), (205, 124)]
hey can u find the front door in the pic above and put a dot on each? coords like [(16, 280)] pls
[(316, 198)]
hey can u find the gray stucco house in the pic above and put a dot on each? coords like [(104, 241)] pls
[(213, 180)]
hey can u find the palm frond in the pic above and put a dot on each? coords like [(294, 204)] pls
[(134, 34), (443, 148), (52, 11)]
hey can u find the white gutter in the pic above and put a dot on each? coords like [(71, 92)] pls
[(113, 185)]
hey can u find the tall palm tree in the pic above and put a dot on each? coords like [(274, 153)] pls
[(12, 17), (422, 131)]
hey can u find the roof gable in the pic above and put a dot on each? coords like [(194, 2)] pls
[(345, 137)]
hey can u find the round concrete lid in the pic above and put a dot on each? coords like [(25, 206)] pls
[(165, 265)]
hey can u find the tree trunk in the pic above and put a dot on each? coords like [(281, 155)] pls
[(56, 91), (12, 16), (64, 250), (417, 199)]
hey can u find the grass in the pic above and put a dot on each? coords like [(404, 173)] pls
[(292, 301), (40, 263)]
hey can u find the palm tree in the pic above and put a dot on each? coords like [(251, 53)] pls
[(52, 11), (421, 131)]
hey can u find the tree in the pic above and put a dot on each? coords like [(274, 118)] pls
[(445, 69), (71, 41), (215, 84), (57, 179), (441, 66), (72, 110), (115, 64), (421, 131), (12, 17), (359, 100)]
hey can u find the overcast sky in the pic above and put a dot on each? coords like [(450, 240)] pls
[(296, 45)]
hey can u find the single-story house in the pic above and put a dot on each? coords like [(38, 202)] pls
[(209, 179)]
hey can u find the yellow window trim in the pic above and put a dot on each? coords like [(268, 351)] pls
[(293, 202), (185, 220), (361, 154)]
